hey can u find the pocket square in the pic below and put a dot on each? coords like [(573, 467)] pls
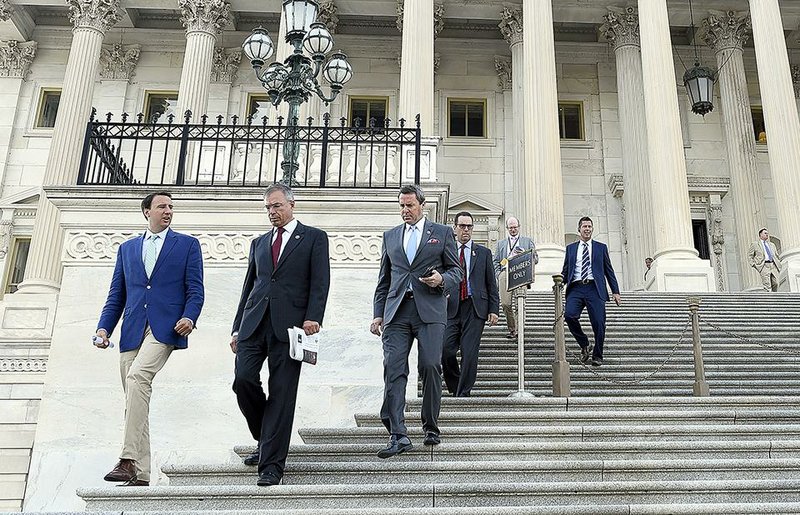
[(433, 240)]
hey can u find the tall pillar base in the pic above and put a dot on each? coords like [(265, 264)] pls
[(789, 278), (551, 262), (681, 271)]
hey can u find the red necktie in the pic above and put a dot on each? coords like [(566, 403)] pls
[(276, 247), (463, 287)]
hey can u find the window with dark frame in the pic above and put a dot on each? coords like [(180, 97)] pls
[(158, 105), (48, 108), (363, 109), (759, 127), (258, 106), (19, 258), (570, 121), (466, 118)]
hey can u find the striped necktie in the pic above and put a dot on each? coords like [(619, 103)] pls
[(585, 264), (150, 254)]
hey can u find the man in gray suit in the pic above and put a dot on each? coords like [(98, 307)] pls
[(418, 264), (506, 248), (763, 256)]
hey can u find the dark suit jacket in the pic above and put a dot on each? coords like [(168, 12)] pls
[(173, 291), (485, 297), (295, 291), (601, 268), (436, 248)]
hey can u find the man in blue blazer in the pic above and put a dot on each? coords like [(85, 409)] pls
[(157, 290), (287, 282), (468, 308), (587, 267), (418, 264)]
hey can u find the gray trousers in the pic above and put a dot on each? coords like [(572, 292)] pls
[(398, 336)]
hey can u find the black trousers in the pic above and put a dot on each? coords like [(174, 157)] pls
[(463, 333), (398, 336), (270, 418)]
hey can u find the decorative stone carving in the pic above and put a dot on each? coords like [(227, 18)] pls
[(438, 19), (796, 79), (209, 16), (399, 10), (5, 237), (219, 249), (621, 27), (511, 25), (328, 14), (118, 62), (717, 243), (6, 10), (225, 64), (23, 365), (16, 58), (95, 14), (503, 66), (726, 29)]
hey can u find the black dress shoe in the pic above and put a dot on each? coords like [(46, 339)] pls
[(251, 459), (125, 470), (397, 445), (585, 354), (596, 362), (268, 479), (432, 438)]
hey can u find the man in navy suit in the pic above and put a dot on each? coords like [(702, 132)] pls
[(587, 267), (157, 289), (287, 282), (418, 264), (468, 308)]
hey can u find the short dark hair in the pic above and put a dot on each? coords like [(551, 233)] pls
[(762, 230), (460, 214), (147, 202), (413, 189), (585, 219)]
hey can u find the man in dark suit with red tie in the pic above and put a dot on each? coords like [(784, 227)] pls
[(468, 309), (286, 285), (587, 266)]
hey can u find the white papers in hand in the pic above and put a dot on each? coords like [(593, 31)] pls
[(303, 347)]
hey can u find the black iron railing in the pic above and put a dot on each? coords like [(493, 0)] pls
[(248, 154)]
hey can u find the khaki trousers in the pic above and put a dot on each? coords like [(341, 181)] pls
[(137, 369), (507, 301), (769, 277)]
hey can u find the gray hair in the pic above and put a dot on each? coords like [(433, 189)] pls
[(508, 220), (279, 186), (413, 189)]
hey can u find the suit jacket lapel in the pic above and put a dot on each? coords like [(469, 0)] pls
[(472, 258), (169, 243), (427, 229), (139, 257), (293, 243)]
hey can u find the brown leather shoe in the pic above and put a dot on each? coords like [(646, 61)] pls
[(125, 470), (135, 482)]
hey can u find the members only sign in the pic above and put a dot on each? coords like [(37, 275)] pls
[(520, 270)]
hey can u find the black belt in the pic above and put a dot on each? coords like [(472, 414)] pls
[(583, 281), (409, 295), (767, 261)]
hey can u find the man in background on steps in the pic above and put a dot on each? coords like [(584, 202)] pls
[(763, 256), (587, 266), (507, 248)]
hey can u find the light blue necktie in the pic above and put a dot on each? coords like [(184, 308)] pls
[(150, 254), (769, 252), (411, 246), (585, 262)]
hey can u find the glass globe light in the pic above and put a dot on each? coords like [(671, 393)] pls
[(258, 46)]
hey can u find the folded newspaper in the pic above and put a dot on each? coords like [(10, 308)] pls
[(303, 347)]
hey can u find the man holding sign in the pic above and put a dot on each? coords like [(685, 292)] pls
[(513, 245)]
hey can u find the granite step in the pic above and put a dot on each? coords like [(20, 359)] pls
[(603, 389), (407, 495), (387, 471)]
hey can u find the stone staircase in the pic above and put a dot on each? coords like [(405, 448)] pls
[(649, 448)]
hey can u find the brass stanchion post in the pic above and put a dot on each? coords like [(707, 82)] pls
[(700, 384), (560, 365)]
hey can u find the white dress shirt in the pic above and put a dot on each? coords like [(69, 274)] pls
[(287, 234), (579, 261), (467, 262), (407, 233), (159, 241)]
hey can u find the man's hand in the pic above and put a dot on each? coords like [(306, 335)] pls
[(184, 327), (234, 343), (617, 298), (104, 335), (310, 327), (493, 317), (434, 280), (376, 326)]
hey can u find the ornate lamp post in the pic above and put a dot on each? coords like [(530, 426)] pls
[(295, 80)]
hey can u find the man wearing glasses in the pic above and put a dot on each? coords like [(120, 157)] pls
[(507, 248), (468, 308)]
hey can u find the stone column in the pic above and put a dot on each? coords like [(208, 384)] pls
[(502, 64), (91, 19), (621, 29), (416, 69), (117, 67), (725, 33), (511, 28), (15, 61), (204, 21), (783, 130), (676, 266), (543, 212)]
